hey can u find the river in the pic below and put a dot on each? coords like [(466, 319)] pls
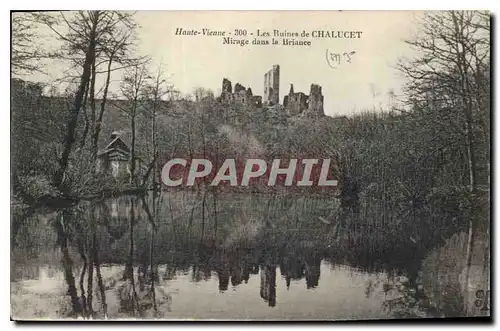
[(229, 258)]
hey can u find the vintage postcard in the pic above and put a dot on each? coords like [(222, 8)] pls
[(250, 165)]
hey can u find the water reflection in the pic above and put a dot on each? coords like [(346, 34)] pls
[(338, 296), (154, 257), (268, 282)]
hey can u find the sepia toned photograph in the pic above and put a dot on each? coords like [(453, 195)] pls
[(250, 165)]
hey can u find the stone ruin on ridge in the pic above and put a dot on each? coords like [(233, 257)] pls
[(294, 104)]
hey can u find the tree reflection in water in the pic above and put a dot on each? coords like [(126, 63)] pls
[(136, 252)]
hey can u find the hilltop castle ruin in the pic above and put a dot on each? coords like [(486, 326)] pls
[(272, 86), (240, 95), (294, 104)]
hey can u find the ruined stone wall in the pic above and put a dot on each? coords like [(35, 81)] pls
[(315, 104), (257, 101), (241, 95), (238, 88), (227, 91), (226, 86), (295, 103)]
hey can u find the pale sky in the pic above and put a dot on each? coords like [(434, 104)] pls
[(203, 61)]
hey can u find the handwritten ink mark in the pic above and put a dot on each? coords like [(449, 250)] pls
[(334, 59), (348, 56)]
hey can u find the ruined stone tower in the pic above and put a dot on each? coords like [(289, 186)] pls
[(272, 86), (227, 86), (295, 103), (315, 102)]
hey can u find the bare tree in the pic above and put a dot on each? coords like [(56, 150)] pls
[(116, 49), (455, 50), (26, 54), (90, 54), (89, 39), (449, 82), (131, 89), (113, 39), (155, 92)]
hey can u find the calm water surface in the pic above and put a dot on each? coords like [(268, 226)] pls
[(341, 293), (232, 258)]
